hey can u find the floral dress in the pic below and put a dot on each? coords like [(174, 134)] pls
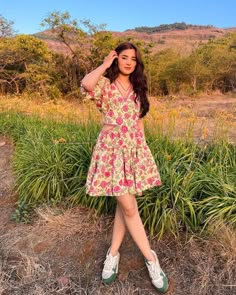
[(121, 161)]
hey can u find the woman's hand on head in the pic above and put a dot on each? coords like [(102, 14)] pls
[(108, 60)]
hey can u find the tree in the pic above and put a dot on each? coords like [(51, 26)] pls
[(194, 70), (6, 29), (219, 56), (87, 46), (23, 64), (64, 28), (161, 73)]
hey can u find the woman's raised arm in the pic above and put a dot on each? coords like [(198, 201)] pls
[(91, 79)]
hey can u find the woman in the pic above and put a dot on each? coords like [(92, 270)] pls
[(122, 164)]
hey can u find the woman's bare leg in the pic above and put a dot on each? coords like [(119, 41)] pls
[(119, 229), (129, 208)]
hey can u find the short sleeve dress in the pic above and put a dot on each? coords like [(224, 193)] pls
[(121, 162)]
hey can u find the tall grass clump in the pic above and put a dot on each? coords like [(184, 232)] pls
[(216, 180), (51, 160), (170, 206)]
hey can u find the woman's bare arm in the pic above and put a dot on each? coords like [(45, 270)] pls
[(141, 125), (91, 79)]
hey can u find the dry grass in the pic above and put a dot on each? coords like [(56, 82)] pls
[(202, 119), (68, 111), (60, 224), (63, 250)]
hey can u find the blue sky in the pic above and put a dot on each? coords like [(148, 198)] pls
[(121, 15)]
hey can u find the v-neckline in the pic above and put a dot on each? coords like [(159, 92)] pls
[(118, 90)]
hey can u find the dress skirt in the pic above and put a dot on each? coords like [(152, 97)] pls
[(121, 163)]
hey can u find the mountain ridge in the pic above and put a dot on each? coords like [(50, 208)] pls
[(180, 36), (167, 27)]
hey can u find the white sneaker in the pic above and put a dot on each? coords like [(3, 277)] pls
[(110, 268), (159, 279)]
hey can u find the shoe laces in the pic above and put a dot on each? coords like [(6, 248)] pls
[(109, 262), (155, 271)]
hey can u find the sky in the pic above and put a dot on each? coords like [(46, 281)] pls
[(120, 15)]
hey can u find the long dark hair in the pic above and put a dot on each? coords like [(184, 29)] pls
[(137, 78)]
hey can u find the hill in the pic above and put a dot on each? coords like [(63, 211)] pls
[(180, 36)]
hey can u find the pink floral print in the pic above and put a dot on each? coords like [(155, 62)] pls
[(121, 161)]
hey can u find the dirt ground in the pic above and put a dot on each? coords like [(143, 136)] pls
[(62, 250)]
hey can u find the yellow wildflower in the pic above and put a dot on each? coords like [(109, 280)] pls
[(62, 140)]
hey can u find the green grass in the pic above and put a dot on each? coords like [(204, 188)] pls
[(51, 160)]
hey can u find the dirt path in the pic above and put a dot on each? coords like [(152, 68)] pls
[(7, 196)]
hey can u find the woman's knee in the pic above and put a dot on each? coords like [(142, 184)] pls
[(128, 205)]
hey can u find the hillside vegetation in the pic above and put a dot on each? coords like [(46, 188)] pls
[(179, 59), (168, 27)]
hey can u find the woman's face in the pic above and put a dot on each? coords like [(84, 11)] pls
[(127, 61)]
